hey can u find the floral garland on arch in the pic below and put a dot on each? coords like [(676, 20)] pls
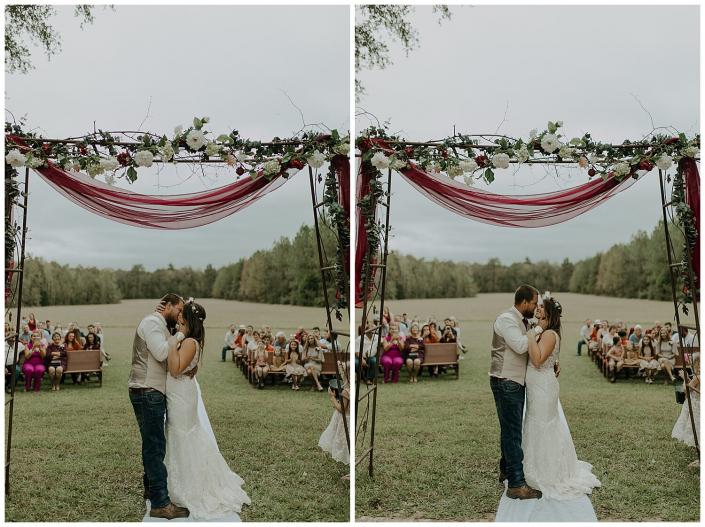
[(473, 158), (108, 154)]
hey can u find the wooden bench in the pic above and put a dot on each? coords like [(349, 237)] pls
[(84, 361), (442, 354)]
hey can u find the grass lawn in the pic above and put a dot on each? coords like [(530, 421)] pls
[(76, 453), (438, 441)]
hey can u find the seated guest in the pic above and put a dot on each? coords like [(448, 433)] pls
[(403, 328), (253, 344), (46, 335), (448, 335), (414, 348), (91, 329), (249, 335), (33, 367), (392, 359), (584, 337), (622, 334), (293, 367), (55, 361), (636, 336), (615, 357), (229, 341), (370, 349), (608, 338), (300, 335), (10, 340), (92, 343), (239, 344), (631, 355), (313, 360), (261, 364), (71, 343), (648, 359), (267, 341), (279, 354), (26, 335), (32, 322), (434, 331), (667, 352), (322, 342)]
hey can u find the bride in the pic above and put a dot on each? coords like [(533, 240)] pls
[(550, 462), (199, 477)]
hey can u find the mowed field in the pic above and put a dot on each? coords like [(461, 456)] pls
[(437, 442), (76, 453)]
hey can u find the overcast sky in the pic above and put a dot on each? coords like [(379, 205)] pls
[(581, 65), (231, 63)]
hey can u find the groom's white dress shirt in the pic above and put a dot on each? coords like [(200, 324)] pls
[(150, 350), (510, 347)]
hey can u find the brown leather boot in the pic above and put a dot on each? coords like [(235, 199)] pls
[(523, 493), (169, 512)]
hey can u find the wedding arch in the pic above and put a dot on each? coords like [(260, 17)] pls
[(85, 169), (446, 170)]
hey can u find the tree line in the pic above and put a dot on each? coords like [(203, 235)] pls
[(288, 273)]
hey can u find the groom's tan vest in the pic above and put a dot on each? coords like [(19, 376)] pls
[(506, 363), (146, 371)]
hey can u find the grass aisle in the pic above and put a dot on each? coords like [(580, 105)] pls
[(76, 453), (438, 441)]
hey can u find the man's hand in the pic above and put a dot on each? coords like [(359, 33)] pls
[(191, 373), (557, 369), (160, 307)]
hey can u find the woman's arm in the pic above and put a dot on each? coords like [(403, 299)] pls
[(541, 350), (179, 359)]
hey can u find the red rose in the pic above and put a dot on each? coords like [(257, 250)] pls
[(645, 164), (124, 158), (46, 148), (83, 150), (444, 153), (481, 161), (592, 172), (672, 140), (365, 143), (409, 151), (239, 170), (296, 163)]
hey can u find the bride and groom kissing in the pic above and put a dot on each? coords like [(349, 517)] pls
[(537, 452), (180, 456)]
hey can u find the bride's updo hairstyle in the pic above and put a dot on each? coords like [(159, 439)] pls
[(194, 315), (553, 311)]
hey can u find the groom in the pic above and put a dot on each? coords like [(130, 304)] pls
[(147, 386), (510, 348)]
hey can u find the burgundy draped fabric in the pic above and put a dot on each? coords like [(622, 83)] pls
[(366, 173), (529, 210), (341, 164), (181, 211), (691, 177)]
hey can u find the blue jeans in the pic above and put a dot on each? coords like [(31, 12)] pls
[(150, 410), (581, 343), (509, 400)]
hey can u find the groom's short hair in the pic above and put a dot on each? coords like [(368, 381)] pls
[(173, 299), (524, 292)]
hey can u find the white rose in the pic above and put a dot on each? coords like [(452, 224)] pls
[(178, 130), (380, 161), (109, 164), (110, 179), (468, 165), (94, 169), (195, 139), (166, 152), (469, 180), (592, 158), (522, 154), (664, 162), (15, 158), (397, 164), (550, 143), (582, 162), (34, 162), (621, 169), (565, 152), (316, 159), (144, 158), (500, 160), (67, 164), (212, 149), (454, 171), (271, 167), (239, 155), (691, 151), (342, 149)]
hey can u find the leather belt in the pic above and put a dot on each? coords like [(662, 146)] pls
[(143, 390)]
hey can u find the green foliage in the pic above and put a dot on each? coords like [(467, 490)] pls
[(411, 277), (31, 22), (374, 23), (288, 273)]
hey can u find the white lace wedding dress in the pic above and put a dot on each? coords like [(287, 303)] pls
[(550, 462), (199, 478)]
